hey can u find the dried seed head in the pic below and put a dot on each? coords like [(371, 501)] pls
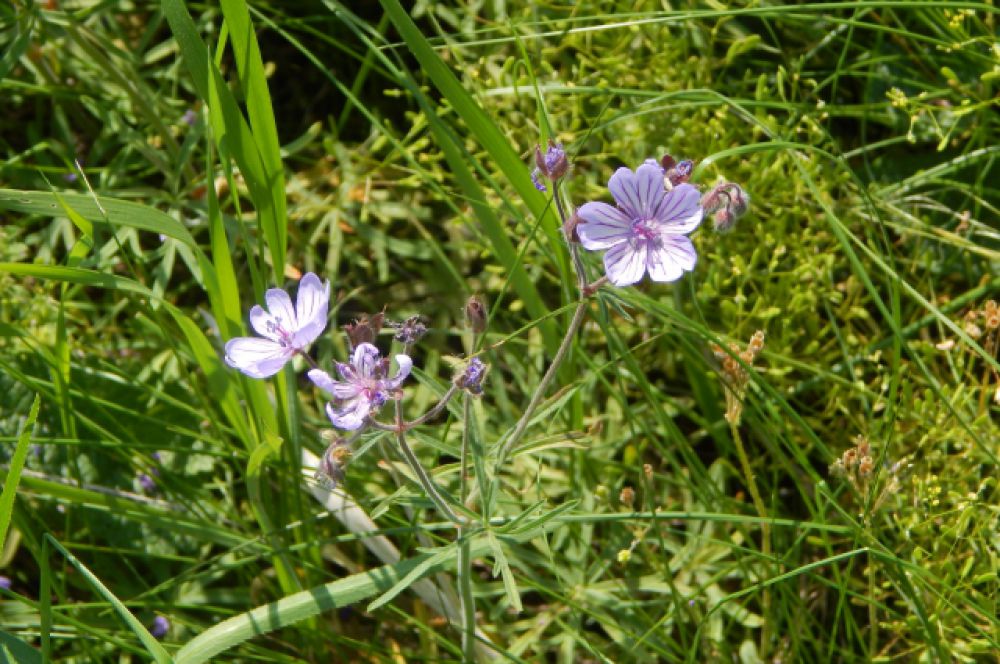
[(627, 496), (411, 330), (364, 329), (647, 470), (865, 466)]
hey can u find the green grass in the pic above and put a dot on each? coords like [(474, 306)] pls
[(388, 148)]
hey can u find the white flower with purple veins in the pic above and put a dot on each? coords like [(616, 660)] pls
[(648, 229), (364, 388), (286, 330)]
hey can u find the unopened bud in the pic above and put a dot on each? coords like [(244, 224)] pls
[(471, 378), (569, 228), (475, 314), (553, 163)]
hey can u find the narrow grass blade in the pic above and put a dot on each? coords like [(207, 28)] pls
[(16, 466), (159, 653), (15, 651), (308, 603)]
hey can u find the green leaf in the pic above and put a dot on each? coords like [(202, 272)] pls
[(14, 470), (15, 651), (308, 603), (159, 653), (101, 211)]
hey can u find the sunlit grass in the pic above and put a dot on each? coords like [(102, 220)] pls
[(633, 521)]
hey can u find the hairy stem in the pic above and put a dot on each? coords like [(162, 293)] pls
[(467, 600), (418, 470), (536, 398)]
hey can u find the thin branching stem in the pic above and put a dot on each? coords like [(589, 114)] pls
[(418, 470), (536, 398)]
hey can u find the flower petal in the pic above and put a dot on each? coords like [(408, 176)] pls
[(257, 358), (338, 389), (681, 251), (350, 415), (602, 226), (263, 323), (280, 306), (680, 211), (311, 306), (662, 266), (625, 264), (366, 360), (405, 364), (639, 193)]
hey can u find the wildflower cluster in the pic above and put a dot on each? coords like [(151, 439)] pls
[(645, 232), (735, 374)]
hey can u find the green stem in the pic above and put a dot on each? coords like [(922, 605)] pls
[(536, 398), (765, 528), (468, 601), (418, 470)]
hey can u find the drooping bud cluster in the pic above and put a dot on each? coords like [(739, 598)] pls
[(551, 164), (727, 202), (735, 374)]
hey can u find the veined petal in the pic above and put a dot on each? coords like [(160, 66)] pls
[(405, 364), (338, 389), (680, 211), (257, 358), (662, 266), (264, 323), (280, 306), (681, 251), (602, 226), (311, 306), (639, 193), (366, 360), (625, 264), (349, 415)]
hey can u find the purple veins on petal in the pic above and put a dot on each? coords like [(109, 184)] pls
[(286, 329), (646, 232)]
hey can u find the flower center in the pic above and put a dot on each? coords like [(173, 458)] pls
[(644, 230), (274, 326), (374, 396)]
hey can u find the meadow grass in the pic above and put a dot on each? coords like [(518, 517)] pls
[(834, 499)]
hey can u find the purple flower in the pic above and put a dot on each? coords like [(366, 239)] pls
[(287, 330), (551, 164), (160, 627), (364, 388), (472, 376), (146, 483), (5, 582), (189, 117), (648, 229)]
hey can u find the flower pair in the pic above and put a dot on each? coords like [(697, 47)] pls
[(286, 331)]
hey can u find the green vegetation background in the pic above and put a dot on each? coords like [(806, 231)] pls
[(392, 158)]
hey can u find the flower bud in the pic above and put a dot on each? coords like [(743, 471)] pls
[(471, 378), (475, 314)]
